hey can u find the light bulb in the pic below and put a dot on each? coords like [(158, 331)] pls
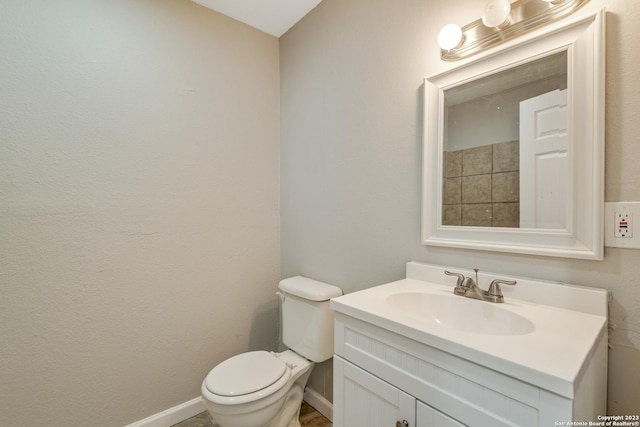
[(450, 37), (496, 13)]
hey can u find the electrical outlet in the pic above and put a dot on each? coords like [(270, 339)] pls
[(618, 225), (623, 226)]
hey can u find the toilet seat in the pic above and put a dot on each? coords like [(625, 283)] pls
[(246, 377)]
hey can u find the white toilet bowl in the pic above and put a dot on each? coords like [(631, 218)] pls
[(257, 389)]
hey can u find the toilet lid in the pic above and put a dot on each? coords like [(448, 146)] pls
[(245, 373)]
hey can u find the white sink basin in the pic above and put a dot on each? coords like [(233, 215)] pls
[(460, 313)]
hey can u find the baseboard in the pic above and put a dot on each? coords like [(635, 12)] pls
[(186, 410), (319, 403), (173, 415)]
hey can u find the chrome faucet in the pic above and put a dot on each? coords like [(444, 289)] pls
[(467, 287)]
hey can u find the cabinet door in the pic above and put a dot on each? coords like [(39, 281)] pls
[(363, 400), (429, 417)]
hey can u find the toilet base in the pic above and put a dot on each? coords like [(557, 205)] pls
[(289, 415)]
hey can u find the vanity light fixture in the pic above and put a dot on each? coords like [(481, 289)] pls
[(502, 21)]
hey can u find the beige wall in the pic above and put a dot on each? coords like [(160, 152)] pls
[(351, 78), (139, 189), (139, 224)]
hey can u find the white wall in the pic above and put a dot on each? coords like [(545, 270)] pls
[(351, 78), (139, 191)]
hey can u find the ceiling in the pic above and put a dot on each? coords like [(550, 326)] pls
[(273, 17)]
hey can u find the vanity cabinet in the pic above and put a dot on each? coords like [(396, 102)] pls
[(369, 401), (382, 377), (429, 417)]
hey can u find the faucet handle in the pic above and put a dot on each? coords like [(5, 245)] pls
[(494, 288), (460, 277)]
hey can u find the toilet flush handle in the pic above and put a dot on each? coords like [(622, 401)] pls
[(403, 423), (281, 296)]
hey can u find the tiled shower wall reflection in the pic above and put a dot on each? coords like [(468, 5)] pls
[(482, 186)]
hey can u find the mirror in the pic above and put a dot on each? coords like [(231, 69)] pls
[(514, 147), (503, 134)]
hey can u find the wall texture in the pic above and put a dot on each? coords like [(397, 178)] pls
[(351, 81), (139, 217)]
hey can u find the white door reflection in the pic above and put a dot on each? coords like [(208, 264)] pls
[(544, 161)]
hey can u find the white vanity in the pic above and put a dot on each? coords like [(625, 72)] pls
[(411, 353)]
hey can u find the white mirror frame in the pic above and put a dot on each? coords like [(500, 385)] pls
[(583, 39)]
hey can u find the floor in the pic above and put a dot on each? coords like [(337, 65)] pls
[(309, 417)]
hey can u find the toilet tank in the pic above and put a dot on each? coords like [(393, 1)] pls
[(307, 320)]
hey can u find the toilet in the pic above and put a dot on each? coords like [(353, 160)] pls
[(265, 389)]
